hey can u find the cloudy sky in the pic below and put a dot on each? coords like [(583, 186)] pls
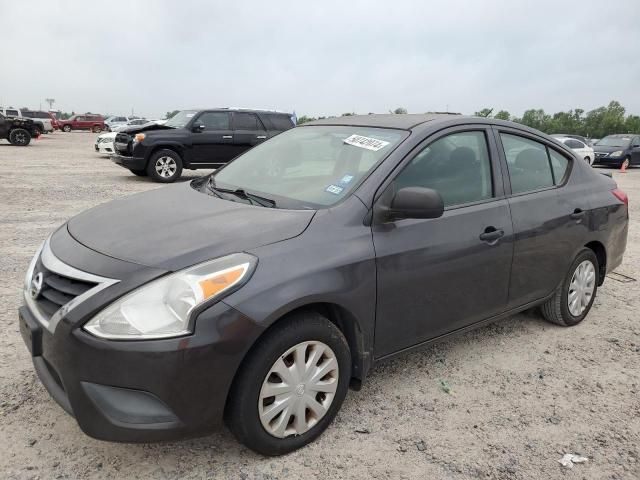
[(321, 57)]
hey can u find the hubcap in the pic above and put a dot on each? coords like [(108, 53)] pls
[(298, 390), (166, 167), (581, 288), (21, 137)]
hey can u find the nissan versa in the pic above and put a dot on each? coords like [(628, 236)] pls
[(258, 294)]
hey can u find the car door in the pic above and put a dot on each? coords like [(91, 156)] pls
[(211, 140), (438, 275), (635, 150), (248, 131), (548, 218)]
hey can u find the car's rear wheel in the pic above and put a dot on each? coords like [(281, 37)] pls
[(165, 166), (572, 301), (291, 385), (140, 173), (66, 128), (19, 137), (97, 129)]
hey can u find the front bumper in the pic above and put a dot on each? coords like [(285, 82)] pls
[(606, 160), (132, 163), (105, 148), (136, 391)]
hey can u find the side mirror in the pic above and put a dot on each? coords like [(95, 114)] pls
[(197, 127), (416, 202)]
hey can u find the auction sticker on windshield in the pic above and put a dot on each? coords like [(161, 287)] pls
[(366, 142)]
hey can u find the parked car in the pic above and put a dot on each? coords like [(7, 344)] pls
[(94, 123), (582, 149), (48, 121), (207, 138), (104, 143), (584, 140), (39, 125), (618, 150), (136, 122), (116, 121), (18, 130), (260, 293)]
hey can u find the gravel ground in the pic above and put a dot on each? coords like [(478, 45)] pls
[(521, 393)]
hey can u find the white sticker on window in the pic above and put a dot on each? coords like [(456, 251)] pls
[(189, 115), (335, 189), (366, 142)]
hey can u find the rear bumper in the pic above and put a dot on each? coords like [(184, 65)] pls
[(133, 163), (142, 391)]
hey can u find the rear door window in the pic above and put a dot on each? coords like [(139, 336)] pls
[(559, 166), (246, 121), (571, 143), (12, 113)]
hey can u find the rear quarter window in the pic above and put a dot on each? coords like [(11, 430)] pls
[(280, 122)]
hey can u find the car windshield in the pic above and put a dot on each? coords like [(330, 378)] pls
[(309, 167), (614, 142), (180, 119)]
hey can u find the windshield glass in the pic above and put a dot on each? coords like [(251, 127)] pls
[(309, 167), (180, 119), (614, 142)]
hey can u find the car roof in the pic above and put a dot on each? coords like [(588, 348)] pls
[(404, 121), (232, 109), (623, 135)]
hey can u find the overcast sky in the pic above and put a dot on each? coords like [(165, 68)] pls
[(320, 57)]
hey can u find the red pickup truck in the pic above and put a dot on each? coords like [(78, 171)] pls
[(87, 121)]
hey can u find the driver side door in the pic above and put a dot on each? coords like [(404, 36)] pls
[(212, 145), (435, 276)]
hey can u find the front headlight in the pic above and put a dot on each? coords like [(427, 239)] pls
[(616, 154), (138, 137), (163, 307)]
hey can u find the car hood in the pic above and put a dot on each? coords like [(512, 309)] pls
[(605, 149), (177, 226), (144, 128)]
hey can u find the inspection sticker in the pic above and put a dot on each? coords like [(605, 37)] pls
[(346, 179), (366, 142), (335, 189)]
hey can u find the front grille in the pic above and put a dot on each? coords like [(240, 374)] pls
[(57, 290), (122, 143)]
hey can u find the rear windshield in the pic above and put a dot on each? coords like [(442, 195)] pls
[(310, 167)]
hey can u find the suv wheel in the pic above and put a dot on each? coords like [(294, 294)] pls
[(97, 129), (291, 386), (165, 166), (66, 128), (19, 137), (572, 301)]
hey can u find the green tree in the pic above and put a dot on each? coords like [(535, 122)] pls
[(502, 115), (536, 119), (485, 112), (400, 111), (632, 124)]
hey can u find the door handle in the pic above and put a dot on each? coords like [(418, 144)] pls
[(491, 234), (227, 136), (261, 136), (577, 214)]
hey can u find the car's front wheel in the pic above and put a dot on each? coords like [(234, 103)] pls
[(97, 129), (19, 137), (572, 301), (291, 385), (165, 166)]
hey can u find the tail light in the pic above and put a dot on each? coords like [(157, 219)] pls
[(620, 195)]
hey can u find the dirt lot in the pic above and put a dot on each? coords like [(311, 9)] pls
[(523, 392)]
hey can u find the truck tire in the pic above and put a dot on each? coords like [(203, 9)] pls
[(165, 166), (66, 128), (19, 137)]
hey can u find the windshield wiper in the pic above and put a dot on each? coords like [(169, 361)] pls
[(239, 192)]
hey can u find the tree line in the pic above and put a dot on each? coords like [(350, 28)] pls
[(596, 123)]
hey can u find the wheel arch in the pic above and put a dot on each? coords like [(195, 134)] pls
[(175, 147), (601, 254)]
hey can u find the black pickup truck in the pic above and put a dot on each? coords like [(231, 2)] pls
[(17, 130), (193, 139)]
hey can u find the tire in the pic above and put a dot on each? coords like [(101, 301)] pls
[(97, 129), (19, 137), (557, 309), (308, 331), (38, 131), (140, 173), (161, 159), (66, 128)]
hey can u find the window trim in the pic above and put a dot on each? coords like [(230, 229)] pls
[(497, 180), (497, 130)]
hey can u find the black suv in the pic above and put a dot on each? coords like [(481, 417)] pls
[(17, 130), (194, 139)]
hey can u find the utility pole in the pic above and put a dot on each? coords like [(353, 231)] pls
[(50, 101)]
